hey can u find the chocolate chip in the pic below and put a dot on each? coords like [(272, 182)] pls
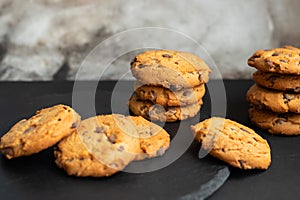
[(8, 151), (280, 121), (31, 128), (176, 63), (187, 93), (99, 129), (167, 56), (75, 124), (253, 57), (59, 119), (255, 139), (149, 132), (242, 163), (175, 87), (284, 61), (275, 54), (121, 148), (245, 130), (81, 158), (287, 97), (133, 61), (112, 138), (160, 151), (271, 64), (223, 150)]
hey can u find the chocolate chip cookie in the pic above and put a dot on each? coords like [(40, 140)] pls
[(157, 112), (284, 60), (106, 144), (233, 143), (41, 131), (289, 83), (277, 101), (275, 123), (170, 69), (166, 97)]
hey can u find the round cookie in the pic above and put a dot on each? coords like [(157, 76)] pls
[(41, 131), (275, 123), (166, 97), (170, 69), (284, 60), (233, 143), (156, 112), (277, 101), (289, 83), (106, 144)]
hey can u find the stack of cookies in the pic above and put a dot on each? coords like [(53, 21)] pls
[(275, 97), (169, 86)]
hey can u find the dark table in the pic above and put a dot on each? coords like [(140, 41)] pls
[(37, 177)]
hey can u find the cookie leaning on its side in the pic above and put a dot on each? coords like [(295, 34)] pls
[(233, 143), (41, 131)]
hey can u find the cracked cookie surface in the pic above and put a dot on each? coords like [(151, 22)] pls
[(233, 143), (275, 123), (156, 112), (167, 97), (106, 144), (277, 101), (39, 132), (170, 69), (284, 60), (289, 83)]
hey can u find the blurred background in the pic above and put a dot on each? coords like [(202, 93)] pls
[(49, 39)]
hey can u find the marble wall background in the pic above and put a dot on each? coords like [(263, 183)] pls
[(48, 39)]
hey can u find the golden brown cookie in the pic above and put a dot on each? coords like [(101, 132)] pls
[(289, 83), (106, 144), (233, 143), (166, 97), (170, 69), (284, 60), (275, 100), (41, 131), (156, 112), (275, 123)]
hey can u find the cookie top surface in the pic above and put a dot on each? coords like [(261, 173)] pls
[(167, 97), (275, 100), (39, 132), (233, 143), (170, 69), (284, 60), (106, 144), (275, 123), (289, 83), (156, 112)]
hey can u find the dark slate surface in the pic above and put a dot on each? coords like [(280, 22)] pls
[(37, 177)]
